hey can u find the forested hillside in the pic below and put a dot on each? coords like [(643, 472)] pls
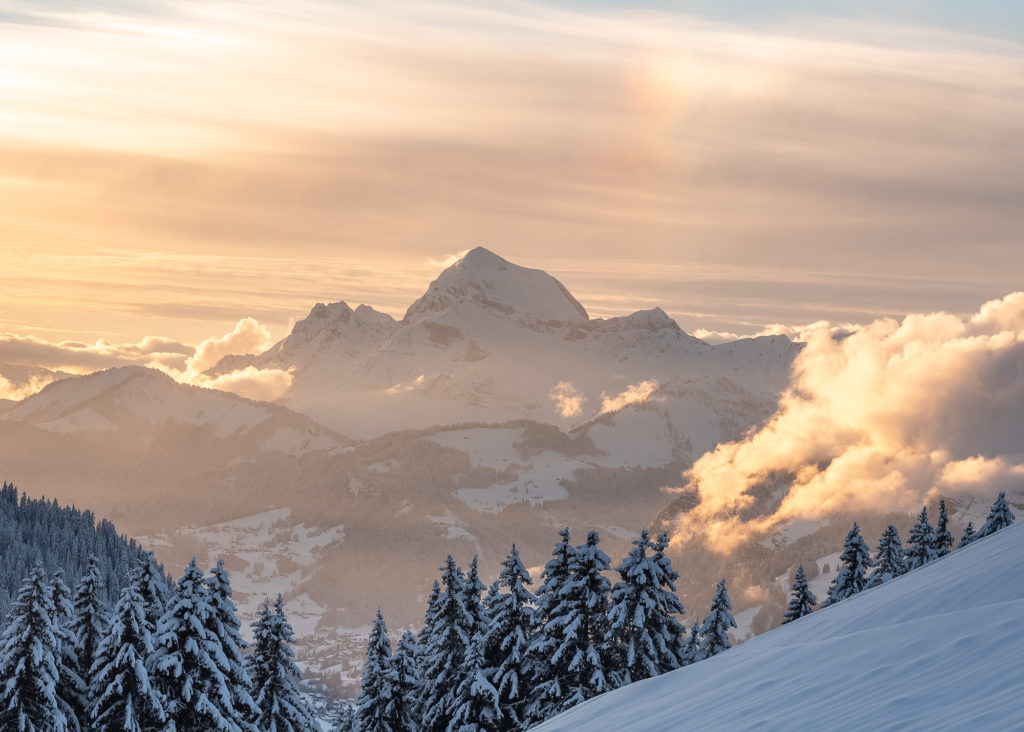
[(62, 538)]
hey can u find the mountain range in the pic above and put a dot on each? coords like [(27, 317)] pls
[(496, 411)]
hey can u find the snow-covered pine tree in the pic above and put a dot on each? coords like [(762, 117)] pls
[(667, 581), (968, 537), (999, 517), (476, 700), (190, 664), (574, 635), (448, 639), (856, 560), (512, 623), (375, 690), (643, 635), (149, 580), (422, 642), (921, 544), (546, 690), (405, 684), (224, 624), (801, 599), (275, 677), (714, 631), (29, 664), (943, 539), (88, 628), (125, 697), (472, 599), (71, 691), (691, 653), (889, 559), (344, 719)]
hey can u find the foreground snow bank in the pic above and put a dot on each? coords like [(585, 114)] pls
[(939, 648)]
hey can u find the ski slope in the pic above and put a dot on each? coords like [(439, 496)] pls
[(939, 648)]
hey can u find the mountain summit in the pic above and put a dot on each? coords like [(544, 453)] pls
[(490, 341), (482, 279)]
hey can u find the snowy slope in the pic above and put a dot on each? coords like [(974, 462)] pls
[(135, 398), (939, 648)]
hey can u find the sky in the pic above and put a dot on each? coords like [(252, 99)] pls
[(171, 169)]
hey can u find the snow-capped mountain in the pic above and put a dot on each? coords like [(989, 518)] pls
[(939, 647), (531, 417), (135, 398), (490, 342)]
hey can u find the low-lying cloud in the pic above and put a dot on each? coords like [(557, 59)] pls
[(248, 337), (181, 361), (568, 399), (633, 394), (886, 418)]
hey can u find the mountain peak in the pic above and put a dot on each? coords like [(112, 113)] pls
[(486, 281)]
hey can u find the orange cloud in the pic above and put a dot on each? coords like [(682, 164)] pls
[(883, 418)]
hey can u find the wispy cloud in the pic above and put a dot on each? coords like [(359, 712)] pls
[(364, 139), (633, 394)]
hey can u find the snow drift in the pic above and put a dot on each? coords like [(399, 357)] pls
[(938, 648)]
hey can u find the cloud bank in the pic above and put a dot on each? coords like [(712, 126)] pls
[(181, 361), (887, 418)]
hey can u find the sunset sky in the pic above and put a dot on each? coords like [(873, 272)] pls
[(170, 168)]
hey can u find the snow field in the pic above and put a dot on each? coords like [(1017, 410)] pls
[(938, 648)]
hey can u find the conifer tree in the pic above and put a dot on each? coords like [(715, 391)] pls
[(512, 622), (889, 559), (476, 707), (125, 698), (191, 665), (430, 619), (574, 635), (667, 579), (450, 634), (29, 666), (544, 677), (999, 517), (224, 624), (801, 599), (968, 537), (472, 600), (344, 719), (151, 585), (856, 560), (405, 684), (274, 675), (691, 653), (921, 544), (88, 629), (943, 539), (71, 691), (714, 630), (643, 637), (375, 691)]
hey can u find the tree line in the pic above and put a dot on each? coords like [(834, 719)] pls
[(162, 659), (505, 658), (925, 544)]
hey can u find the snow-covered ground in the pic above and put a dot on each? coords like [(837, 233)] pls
[(939, 648)]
